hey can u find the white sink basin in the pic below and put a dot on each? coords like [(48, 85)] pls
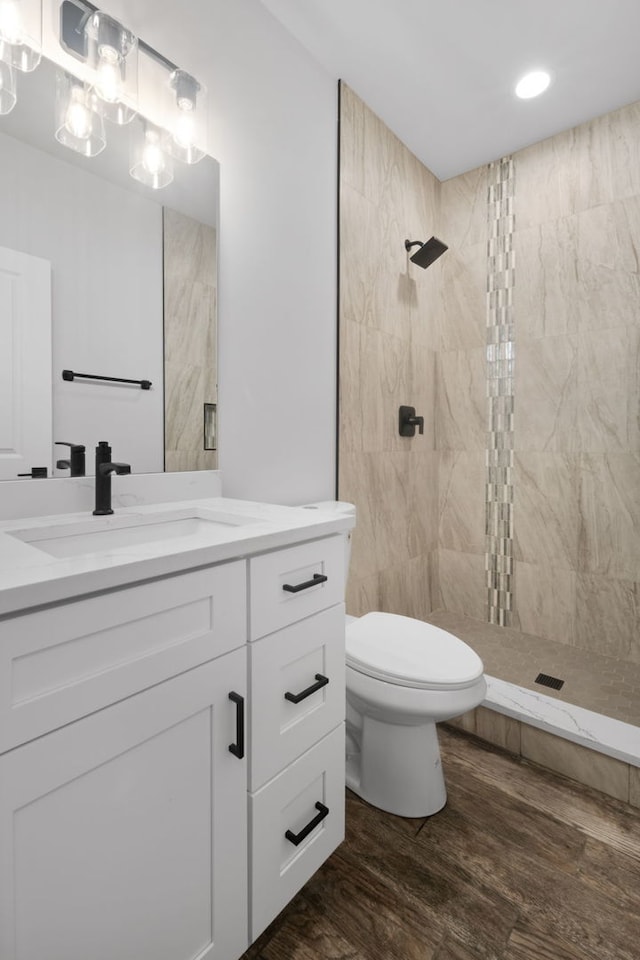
[(101, 534)]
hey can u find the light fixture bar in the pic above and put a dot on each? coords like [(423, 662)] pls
[(73, 17)]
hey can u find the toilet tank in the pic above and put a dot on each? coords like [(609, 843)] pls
[(338, 508)]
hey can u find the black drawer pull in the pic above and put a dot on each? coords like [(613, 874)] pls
[(297, 697), (237, 748), (317, 578), (297, 838)]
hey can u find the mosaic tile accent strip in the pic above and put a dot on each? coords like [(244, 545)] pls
[(500, 392)]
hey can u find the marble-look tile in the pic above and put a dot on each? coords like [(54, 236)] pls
[(603, 415), (466, 722), (609, 536), (634, 786), (375, 378), (362, 596), (396, 499), (351, 138), (461, 486), (545, 598), (497, 729), (461, 400), (546, 394), (595, 770), (464, 209), (605, 355), (546, 509), (463, 299), (608, 617), (610, 156), (405, 588), (547, 179), (462, 583), (546, 292)]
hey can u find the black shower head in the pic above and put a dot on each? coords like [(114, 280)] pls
[(428, 252)]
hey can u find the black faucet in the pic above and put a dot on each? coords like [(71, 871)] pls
[(76, 462), (104, 469)]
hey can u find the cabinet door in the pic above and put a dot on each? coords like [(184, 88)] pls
[(124, 835)]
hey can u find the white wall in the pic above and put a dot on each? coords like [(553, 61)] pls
[(104, 244), (274, 131)]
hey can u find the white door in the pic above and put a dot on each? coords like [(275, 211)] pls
[(123, 836), (25, 364)]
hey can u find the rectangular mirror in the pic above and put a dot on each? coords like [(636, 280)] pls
[(103, 276)]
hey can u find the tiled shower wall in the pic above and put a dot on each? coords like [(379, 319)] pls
[(574, 421), (388, 342)]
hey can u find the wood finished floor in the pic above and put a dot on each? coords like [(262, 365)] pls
[(520, 865)]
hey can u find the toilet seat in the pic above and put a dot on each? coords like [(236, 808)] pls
[(410, 653)]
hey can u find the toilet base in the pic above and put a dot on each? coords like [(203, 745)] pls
[(402, 772)]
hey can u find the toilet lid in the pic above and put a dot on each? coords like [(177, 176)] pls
[(410, 653)]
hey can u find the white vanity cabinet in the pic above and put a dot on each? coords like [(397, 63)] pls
[(171, 758)]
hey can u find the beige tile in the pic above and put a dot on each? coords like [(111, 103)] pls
[(608, 617), (634, 786), (462, 583), (603, 416), (548, 179), (463, 301), (363, 595), (461, 399), (497, 729), (546, 395), (351, 138), (609, 537), (546, 509), (466, 722), (461, 485), (610, 153), (546, 293), (545, 601), (406, 588), (464, 209), (593, 769)]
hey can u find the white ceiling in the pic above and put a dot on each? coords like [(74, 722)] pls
[(441, 73)]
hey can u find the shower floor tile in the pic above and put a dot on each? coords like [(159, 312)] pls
[(602, 684)]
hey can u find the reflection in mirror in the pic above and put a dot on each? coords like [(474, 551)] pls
[(102, 275)]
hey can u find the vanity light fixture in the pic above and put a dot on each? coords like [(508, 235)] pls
[(112, 53), (7, 88), (20, 34), (151, 163), (79, 124), (186, 118), (533, 84)]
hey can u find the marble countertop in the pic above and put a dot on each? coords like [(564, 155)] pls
[(30, 577)]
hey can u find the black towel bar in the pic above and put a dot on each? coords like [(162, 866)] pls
[(71, 375)]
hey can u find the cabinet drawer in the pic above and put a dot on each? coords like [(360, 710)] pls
[(283, 588), (295, 661), (290, 804), (65, 662)]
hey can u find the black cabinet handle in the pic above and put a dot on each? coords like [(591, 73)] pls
[(317, 578), (297, 838), (297, 697), (237, 748)]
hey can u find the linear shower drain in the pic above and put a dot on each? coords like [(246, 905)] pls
[(546, 681)]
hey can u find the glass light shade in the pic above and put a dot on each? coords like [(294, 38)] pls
[(79, 123), (188, 117), (151, 162), (20, 35), (533, 84), (7, 88), (112, 53)]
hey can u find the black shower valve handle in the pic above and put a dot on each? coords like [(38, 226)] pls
[(408, 421)]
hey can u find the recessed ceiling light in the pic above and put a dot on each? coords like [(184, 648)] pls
[(533, 84)]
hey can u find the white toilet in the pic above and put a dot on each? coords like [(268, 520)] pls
[(403, 676)]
